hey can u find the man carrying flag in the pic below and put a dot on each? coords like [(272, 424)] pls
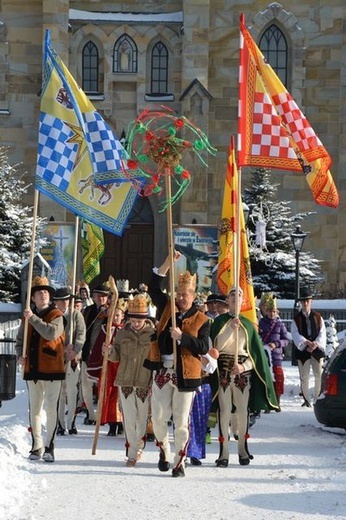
[(244, 380)]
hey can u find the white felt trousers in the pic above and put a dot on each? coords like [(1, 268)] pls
[(47, 393), (166, 402)]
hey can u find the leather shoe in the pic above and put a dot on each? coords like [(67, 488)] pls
[(178, 472), (163, 464), (244, 461), (195, 462), (222, 463)]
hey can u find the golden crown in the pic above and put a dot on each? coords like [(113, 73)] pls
[(138, 306), (269, 301), (187, 281), (122, 304)]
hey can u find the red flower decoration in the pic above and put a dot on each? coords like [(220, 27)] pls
[(179, 123), (131, 164), (149, 136), (185, 174)]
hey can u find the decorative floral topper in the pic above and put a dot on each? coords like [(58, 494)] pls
[(156, 150)]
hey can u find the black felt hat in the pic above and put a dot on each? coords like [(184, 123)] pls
[(62, 294), (305, 293), (101, 289)]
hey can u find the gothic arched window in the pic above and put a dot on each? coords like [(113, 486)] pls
[(90, 68), (273, 45), (159, 69), (125, 55)]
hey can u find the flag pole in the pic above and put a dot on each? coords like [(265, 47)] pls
[(171, 255), (109, 334), (74, 277), (30, 273), (237, 251)]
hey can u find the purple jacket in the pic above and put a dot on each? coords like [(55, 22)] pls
[(274, 331)]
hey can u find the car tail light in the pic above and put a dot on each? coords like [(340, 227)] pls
[(332, 384)]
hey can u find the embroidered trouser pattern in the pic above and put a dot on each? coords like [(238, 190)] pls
[(233, 409), (135, 406), (167, 401)]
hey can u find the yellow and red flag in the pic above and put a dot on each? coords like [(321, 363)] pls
[(234, 258), (272, 130)]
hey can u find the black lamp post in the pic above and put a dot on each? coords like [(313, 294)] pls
[(297, 237)]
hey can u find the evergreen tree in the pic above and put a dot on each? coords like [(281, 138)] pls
[(270, 225), (332, 338), (15, 229)]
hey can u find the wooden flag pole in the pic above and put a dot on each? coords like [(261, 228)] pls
[(109, 334), (74, 277), (171, 256), (237, 252), (30, 273)]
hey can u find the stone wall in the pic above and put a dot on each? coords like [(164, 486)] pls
[(204, 80)]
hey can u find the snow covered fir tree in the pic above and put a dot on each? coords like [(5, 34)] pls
[(16, 224), (270, 225), (332, 338)]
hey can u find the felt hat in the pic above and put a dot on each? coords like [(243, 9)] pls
[(305, 294), (233, 289), (62, 294), (41, 283), (101, 289), (138, 307), (221, 298)]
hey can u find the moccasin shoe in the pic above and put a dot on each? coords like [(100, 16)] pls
[(195, 462), (244, 461), (222, 463), (163, 464), (36, 454), (178, 472), (48, 455)]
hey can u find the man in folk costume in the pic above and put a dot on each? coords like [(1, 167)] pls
[(69, 388), (245, 382), (44, 365), (175, 380), (309, 337), (94, 316)]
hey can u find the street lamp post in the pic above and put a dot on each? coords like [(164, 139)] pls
[(297, 237)]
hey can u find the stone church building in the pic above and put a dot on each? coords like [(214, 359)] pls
[(183, 54)]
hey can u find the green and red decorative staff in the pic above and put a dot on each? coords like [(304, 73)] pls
[(157, 142)]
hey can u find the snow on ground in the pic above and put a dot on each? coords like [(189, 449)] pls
[(298, 472)]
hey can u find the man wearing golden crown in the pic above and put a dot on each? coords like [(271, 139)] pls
[(176, 377)]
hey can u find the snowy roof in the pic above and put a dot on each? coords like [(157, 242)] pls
[(91, 16), (328, 305)]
